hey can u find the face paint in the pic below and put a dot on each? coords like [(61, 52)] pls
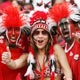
[(13, 34), (65, 29)]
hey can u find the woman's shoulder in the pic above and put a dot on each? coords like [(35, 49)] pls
[(58, 49), (57, 46)]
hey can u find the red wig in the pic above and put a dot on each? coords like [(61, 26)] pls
[(12, 17), (59, 11)]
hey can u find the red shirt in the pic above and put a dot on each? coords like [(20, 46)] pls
[(73, 55), (5, 72)]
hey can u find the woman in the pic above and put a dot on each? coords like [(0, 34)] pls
[(45, 60)]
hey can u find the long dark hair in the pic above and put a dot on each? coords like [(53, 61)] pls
[(47, 46)]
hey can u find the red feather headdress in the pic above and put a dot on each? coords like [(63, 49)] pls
[(38, 16), (12, 17), (59, 11), (38, 20)]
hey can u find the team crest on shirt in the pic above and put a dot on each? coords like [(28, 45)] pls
[(71, 54), (76, 57)]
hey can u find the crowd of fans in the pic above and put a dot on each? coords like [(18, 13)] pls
[(39, 40)]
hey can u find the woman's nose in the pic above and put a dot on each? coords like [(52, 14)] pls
[(40, 34)]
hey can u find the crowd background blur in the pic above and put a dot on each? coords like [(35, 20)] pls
[(22, 4)]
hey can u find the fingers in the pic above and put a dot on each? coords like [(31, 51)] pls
[(6, 56), (76, 36), (8, 51)]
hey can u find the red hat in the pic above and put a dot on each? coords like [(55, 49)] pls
[(38, 20)]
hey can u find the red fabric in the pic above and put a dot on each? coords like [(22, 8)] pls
[(31, 50), (78, 68), (42, 73), (38, 15), (74, 64), (11, 11), (18, 77), (59, 11), (51, 50), (27, 78), (5, 72), (52, 76), (1, 78)]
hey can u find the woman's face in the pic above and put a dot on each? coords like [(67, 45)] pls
[(40, 38)]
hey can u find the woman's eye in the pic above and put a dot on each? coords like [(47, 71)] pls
[(44, 32), (36, 33)]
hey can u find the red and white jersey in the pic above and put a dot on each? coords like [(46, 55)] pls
[(73, 55)]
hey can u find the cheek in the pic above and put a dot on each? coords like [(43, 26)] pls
[(9, 34), (72, 29), (46, 38), (17, 34), (35, 37)]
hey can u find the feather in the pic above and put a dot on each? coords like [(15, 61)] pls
[(59, 11), (12, 17)]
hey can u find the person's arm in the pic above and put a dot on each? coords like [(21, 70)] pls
[(76, 36), (59, 1), (14, 64), (61, 56)]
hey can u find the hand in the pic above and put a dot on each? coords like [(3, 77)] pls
[(76, 36), (68, 78), (6, 56)]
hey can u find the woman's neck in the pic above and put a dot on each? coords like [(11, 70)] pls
[(41, 51)]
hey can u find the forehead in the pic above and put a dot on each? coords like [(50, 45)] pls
[(10, 27), (63, 20), (40, 29)]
